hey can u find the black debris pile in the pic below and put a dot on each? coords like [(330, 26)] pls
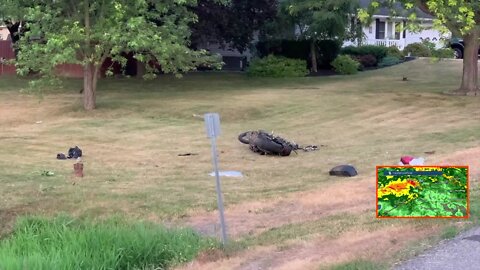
[(265, 143), (343, 170), (74, 152)]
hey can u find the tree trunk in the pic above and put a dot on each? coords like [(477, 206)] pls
[(313, 55), (470, 64), (89, 86), (141, 70)]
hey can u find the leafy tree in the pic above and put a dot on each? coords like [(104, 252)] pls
[(322, 19), (87, 32), (462, 18), (233, 23)]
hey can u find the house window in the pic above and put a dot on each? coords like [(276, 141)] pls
[(380, 30), (398, 29)]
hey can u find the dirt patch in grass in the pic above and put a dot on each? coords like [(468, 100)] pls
[(350, 196), (8, 216), (322, 251), (353, 196), (464, 157)]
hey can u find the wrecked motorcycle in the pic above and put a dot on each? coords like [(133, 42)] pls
[(266, 143)]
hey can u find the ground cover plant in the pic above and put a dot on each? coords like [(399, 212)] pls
[(286, 210), (277, 66)]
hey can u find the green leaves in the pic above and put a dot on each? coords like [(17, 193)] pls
[(459, 16), (322, 19), (89, 31)]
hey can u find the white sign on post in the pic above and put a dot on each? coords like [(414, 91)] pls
[(212, 125)]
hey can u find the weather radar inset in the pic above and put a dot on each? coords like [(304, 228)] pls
[(422, 191)]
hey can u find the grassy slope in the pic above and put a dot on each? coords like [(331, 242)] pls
[(132, 141)]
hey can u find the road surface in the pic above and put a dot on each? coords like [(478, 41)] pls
[(461, 252)]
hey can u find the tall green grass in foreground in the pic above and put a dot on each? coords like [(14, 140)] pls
[(66, 243)]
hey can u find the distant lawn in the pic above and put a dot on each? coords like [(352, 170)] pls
[(132, 141)]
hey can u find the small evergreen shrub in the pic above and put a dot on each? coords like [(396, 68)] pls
[(417, 49), (430, 45), (444, 53), (345, 65), (389, 61), (395, 52), (277, 66)]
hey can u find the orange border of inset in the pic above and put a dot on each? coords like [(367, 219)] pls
[(433, 166)]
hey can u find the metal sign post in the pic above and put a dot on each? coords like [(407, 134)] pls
[(212, 125)]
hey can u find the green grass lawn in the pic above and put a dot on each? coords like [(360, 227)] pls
[(132, 141)]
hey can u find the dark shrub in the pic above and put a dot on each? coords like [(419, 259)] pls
[(417, 49), (328, 50), (296, 49), (389, 61), (378, 51), (265, 48), (366, 61), (277, 66), (345, 65)]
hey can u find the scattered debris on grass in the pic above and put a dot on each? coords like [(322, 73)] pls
[(74, 152), (344, 170), (412, 161), (228, 173), (188, 154), (48, 173)]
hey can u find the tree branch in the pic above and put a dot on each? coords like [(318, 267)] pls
[(422, 5)]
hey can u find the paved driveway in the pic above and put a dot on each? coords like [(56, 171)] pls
[(462, 252)]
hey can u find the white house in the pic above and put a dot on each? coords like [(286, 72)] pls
[(387, 30)]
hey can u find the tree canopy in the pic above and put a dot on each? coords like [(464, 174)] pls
[(462, 19), (234, 23), (87, 32), (321, 19)]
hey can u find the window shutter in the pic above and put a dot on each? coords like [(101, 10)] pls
[(377, 28)]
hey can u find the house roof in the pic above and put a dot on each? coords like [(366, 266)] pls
[(401, 12)]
